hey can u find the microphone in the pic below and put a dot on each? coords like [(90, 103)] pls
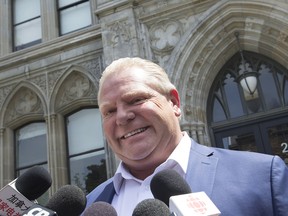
[(68, 200), (34, 182), (174, 191), (149, 207), (100, 209), (167, 183), (18, 195)]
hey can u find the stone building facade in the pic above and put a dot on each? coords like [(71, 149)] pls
[(191, 39)]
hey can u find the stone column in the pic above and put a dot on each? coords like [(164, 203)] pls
[(49, 21), (1, 157), (6, 27), (57, 158), (119, 30), (196, 131), (8, 167)]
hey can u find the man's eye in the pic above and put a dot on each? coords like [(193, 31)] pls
[(138, 100), (108, 113)]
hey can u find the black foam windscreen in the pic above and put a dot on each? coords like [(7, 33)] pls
[(100, 209), (167, 183), (68, 200), (149, 207), (34, 182)]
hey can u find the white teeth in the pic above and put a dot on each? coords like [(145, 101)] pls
[(134, 132)]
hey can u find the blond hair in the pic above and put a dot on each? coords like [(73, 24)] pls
[(156, 75)]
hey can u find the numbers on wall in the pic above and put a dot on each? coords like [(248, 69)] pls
[(285, 147)]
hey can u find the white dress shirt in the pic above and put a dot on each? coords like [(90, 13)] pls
[(130, 190)]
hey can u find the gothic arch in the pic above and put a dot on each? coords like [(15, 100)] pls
[(75, 88), (204, 49), (25, 103)]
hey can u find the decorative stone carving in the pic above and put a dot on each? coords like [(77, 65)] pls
[(162, 3), (188, 109), (283, 37), (120, 33), (253, 23), (52, 78), (94, 67), (76, 86), (41, 82), (164, 35), (25, 101), (198, 63), (4, 92), (118, 40)]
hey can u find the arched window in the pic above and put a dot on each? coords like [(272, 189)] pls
[(229, 100), (241, 121), (31, 136), (87, 162)]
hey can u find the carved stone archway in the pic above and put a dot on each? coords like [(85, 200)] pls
[(204, 49), (25, 103)]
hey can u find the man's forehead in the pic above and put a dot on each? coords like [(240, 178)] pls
[(133, 71)]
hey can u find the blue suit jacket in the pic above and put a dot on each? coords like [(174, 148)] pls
[(239, 183)]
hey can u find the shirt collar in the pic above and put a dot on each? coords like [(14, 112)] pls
[(180, 155), (178, 160)]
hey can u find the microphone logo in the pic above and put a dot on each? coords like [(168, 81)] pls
[(193, 204), (37, 212), (198, 205)]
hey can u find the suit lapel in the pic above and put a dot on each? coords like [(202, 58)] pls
[(201, 169), (107, 194)]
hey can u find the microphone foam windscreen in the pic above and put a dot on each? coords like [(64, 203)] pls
[(100, 209), (149, 207), (167, 183), (34, 182), (68, 200)]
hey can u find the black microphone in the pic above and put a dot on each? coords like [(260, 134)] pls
[(100, 209), (34, 182), (167, 183), (151, 207), (68, 200), (18, 196)]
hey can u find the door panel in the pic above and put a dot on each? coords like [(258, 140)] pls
[(246, 138), (269, 137), (242, 142), (275, 137)]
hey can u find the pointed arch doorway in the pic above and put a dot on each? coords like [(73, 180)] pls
[(257, 123)]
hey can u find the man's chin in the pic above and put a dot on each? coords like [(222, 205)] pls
[(137, 157)]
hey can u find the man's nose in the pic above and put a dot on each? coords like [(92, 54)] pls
[(124, 116)]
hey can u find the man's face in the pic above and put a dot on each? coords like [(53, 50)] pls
[(140, 124)]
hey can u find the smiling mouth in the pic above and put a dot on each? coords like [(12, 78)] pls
[(132, 133)]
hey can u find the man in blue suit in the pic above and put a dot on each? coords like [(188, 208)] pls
[(140, 109)]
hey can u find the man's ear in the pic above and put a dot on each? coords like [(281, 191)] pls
[(175, 99)]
